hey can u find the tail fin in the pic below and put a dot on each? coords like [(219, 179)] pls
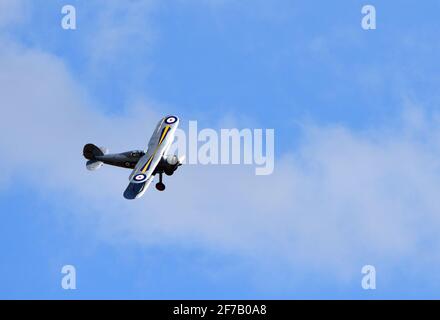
[(91, 151)]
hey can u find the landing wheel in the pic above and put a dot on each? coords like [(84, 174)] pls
[(160, 186)]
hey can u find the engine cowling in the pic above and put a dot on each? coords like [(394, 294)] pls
[(172, 162)]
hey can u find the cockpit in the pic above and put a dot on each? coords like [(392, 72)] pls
[(136, 153)]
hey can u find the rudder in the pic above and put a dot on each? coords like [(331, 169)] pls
[(91, 151)]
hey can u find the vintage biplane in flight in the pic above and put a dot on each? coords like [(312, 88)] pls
[(145, 164)]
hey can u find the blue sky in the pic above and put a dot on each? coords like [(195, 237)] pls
[(355, 114)]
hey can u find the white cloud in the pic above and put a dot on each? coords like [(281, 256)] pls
[(12, 11), (117, 30), (341, 196)]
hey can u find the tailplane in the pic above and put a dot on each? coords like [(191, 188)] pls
[(90, 152), (93, 165)]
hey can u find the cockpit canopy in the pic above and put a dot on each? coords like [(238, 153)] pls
[(136, 154)]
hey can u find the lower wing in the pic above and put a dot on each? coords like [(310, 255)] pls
[(142, 175), (136, 190)]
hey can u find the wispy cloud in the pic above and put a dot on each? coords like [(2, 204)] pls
[(341, 196), (117, 31), (12, 12)]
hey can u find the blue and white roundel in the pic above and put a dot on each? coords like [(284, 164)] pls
[(171, 120), (140, 177)]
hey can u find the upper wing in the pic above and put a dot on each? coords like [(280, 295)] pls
[(160, 141)]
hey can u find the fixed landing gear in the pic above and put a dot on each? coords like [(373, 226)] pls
[(160, 185)]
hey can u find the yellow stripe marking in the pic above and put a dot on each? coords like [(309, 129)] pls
[(164, 134), (146, 165), (167, 128)]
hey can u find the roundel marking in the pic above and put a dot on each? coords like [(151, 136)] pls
[(140, 177), (171, 119)]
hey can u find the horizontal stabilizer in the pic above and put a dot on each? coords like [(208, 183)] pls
[(93, 165)]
